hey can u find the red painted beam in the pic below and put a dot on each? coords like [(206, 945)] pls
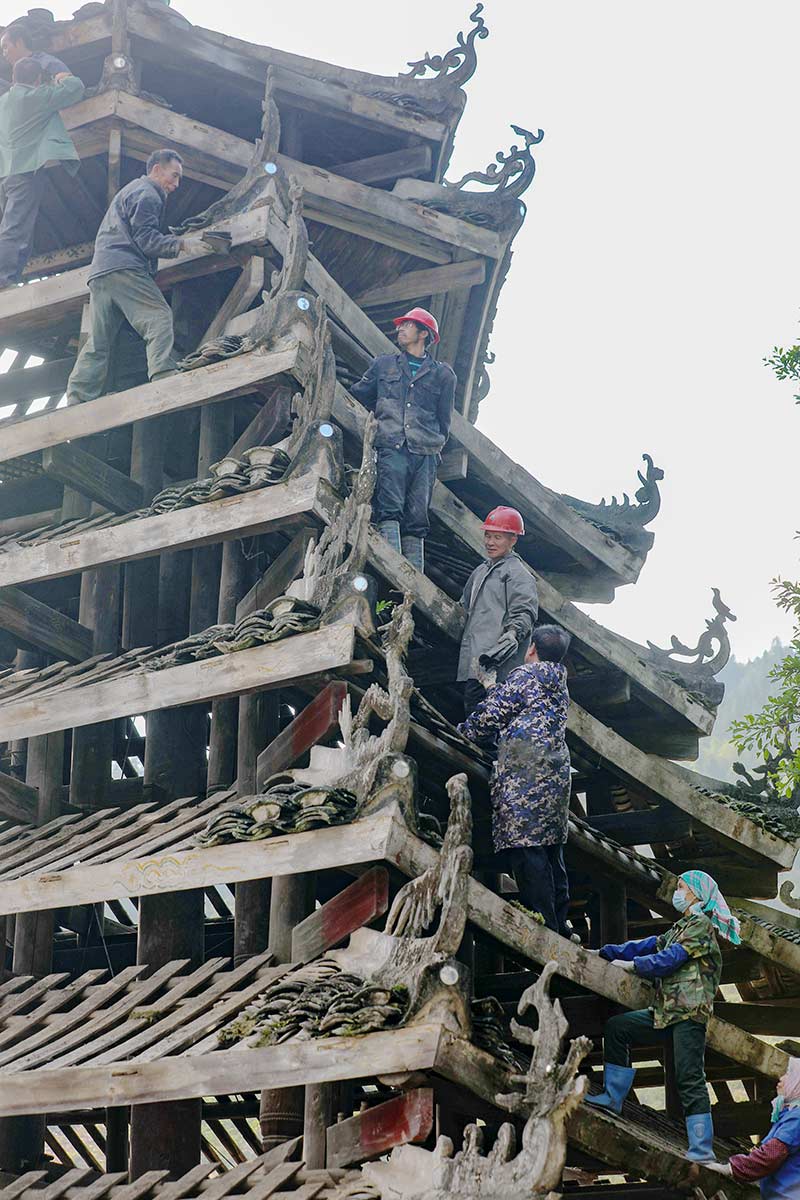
[(316, 721), (406, 1118), (361, 902)]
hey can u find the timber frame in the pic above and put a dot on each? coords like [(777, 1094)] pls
[(222, 776)]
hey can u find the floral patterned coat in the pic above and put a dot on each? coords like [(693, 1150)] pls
[(531, 778)]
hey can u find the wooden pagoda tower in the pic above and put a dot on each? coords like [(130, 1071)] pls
[(227, 705)]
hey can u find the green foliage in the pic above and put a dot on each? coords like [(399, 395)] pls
[(747, 688), (786, 364), (773, 733)]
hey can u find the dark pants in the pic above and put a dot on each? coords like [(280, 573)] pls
[(403, 490), (20, 197), (688, 1041), (542, 882), (120, 296), (474, 692)]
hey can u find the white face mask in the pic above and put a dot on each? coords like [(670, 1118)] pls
[(680, 901)]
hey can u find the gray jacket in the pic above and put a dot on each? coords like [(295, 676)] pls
[(130, 237), (499, 596)]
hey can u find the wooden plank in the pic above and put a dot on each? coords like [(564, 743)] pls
[(369, 1134), (359, 904), (428, 282), (209, 679), (19, 801), (190, 389), (317, 720), (657, 776), (10, 526), (641, 827), (225, 1072), (383, 168), (280, 506), (36, 624), (278, 575), (19, 387), (92, 477), (175, 870)]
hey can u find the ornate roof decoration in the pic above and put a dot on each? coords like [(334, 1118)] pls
[(457, 65), (706, 659), (552, 1090), (511, 174), (625, 521)]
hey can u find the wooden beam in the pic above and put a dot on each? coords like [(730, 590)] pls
[(383, 168), (208, 679), (18, 387), (29, 521), (359, 904), (93, 478), (369, 1134), (316, 721), (658, 777), (19, 802), (171, 870), (642, 827), (223, 1073), (417, 284), (279, 507), (190, 389), (36, 624), (278, 575)]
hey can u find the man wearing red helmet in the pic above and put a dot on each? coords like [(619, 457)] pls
[(502, 606), (412, 396)]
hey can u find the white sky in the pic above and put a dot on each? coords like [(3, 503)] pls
[(657, 266)]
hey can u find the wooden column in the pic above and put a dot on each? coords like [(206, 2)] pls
[(222, 749), (258, 725), (613, 912), (92, 745), (22, 1138)]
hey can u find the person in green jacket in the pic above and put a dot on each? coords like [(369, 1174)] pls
[(32, 137)]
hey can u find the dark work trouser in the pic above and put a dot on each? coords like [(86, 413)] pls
[(20, 197), (403, 490), (542, 882), (474, 692), (131, 296), (688, 1041)]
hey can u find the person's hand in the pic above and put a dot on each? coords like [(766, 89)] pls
[(719, 1168), (192, 244), (623, 964), (506, 644)]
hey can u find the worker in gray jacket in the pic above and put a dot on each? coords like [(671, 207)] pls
[(502, 606), (122, 287)]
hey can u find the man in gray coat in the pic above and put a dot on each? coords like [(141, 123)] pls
[(122, 286), (502, 606)]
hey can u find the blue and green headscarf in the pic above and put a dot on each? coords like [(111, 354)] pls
[(712, 904)]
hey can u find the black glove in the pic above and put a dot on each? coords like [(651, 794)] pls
[(503, 649)]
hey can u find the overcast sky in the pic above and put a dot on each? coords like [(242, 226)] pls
[(657, 266)]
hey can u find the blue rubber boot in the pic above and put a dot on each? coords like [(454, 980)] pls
[(414, 551), (700, 1132), (618, 1082), (390, 532)]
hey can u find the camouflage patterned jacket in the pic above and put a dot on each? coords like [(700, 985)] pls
[(531, 778), (685, 964)]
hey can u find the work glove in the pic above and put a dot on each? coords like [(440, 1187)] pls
[(720, 1168), (623, 964), (502, 649)]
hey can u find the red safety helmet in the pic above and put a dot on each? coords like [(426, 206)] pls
[(422, 317), (505, 520)]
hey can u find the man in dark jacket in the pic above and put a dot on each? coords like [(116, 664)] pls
[(128, 246), (32, 137), (412, 396), (502, 606)]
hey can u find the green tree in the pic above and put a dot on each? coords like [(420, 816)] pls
[(786, 365), (773, 733)]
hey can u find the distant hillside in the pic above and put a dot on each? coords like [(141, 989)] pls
[(747, 686)]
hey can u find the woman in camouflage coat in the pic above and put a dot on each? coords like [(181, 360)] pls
[(685, 964), (531, 778)]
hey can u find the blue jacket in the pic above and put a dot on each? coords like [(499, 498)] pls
[(649, 961), (785, 1183), (417, 410), (130, 237)]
